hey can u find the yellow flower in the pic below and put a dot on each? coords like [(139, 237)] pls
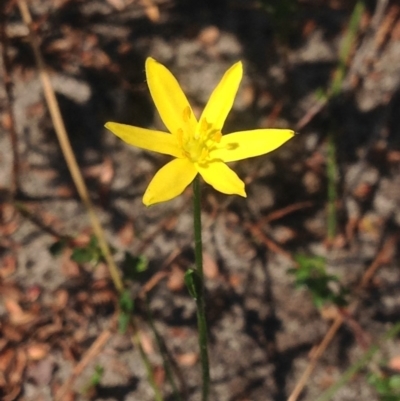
[(197, 146)]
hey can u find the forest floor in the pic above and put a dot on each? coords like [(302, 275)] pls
[(59, 312)]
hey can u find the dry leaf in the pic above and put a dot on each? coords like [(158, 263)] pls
[(159, 375), (6, 121), (6, 358), (17, 315), (44, 332), (65, 191), (37, 351), (8, 266), (151, 10), (117, 4), (3, 344), (60, 300), (107, 171), (12, 333), (235, 280), (210, 267), (209, 35), (33, 293), (188, 359), (69, 268), (147, 343), (17, 372), (176, 278), (126, 234), (12, 393)]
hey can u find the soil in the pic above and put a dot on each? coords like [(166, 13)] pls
[(262, 328)]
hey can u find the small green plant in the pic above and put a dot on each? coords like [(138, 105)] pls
[(126, 305), (387, 386), (89, 253), (94, 380), (324, 288)]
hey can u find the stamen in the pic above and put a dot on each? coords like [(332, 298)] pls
[(217, 136), (186, 114), (204, 154), (204, 125), (179, 135)]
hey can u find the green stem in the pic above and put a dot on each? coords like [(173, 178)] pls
[(201, 315)]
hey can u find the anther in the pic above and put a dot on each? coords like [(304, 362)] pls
[(186, 114)]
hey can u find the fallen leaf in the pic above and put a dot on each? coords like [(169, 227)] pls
[(187, 359), (176, 278), (17, 372), (6, 358), (69, 267), (44, 332), (210, 267), (151, 10), (12, 393), (117, 4), (12, 333), (33, 293), (147, 343), (18, 316), (107, 171), (126, 233), (37, 351), (60, 300), (159, 375), (8, 266), (235, 280), (209, 35)]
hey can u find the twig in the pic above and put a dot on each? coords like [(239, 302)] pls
[(278, 214), (67, 149), (315, 357), (91, 353), (358, 365), (259, 235), (380, 258)]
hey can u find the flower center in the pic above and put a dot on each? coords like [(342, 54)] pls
[(196, 145)]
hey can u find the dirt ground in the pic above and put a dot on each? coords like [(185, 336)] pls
[(53, 310)]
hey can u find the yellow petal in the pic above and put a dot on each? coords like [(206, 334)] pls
[(222, 98), (245, 144), (222, 178), (156, 141), (169, 98), (170, 181)]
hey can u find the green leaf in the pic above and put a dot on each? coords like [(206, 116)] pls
[(193, 283), (312, 274), (132, 266), (394, 382), (97, 375), (84, 255), (126, 305)]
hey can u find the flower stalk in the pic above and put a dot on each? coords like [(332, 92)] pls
[(200, 303)]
